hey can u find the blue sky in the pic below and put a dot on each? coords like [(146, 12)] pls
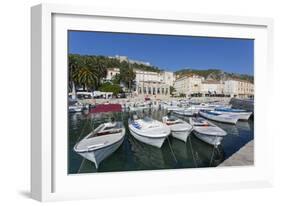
[(169, 52)]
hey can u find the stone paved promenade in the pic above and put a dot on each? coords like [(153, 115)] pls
[(243, 157)]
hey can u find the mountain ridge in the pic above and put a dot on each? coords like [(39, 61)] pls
[(214, 74)]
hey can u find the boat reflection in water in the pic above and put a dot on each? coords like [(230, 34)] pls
[(229, 128), (205, 155), (237, 136), (146, 156), (182, 153), (244, 126)]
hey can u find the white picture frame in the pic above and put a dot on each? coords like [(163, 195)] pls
[(49, 179)]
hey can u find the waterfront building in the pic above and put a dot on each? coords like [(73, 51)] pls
[(189, 84), (167, 77), (212, 87), (142, 75), (161, 76), (150, 88), (111, 72), (239, 88), (150, 83), (158, 83)]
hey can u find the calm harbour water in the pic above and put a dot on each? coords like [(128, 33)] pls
[(134, 155)]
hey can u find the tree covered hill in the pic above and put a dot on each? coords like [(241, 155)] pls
[(100, 63), (109, 62), (215, 74)]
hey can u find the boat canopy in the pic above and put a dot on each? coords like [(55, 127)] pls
[(106, 108)]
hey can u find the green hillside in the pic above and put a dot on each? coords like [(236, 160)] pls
[(216, 74)]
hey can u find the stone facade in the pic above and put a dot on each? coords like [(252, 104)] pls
[(148, 88), (152, 83), (188, 85), (239, 88), (167, 78), (193, 84), (111, 72), (158, 83), (212, 87)]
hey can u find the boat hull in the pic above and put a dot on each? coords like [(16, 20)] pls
[(137, 108), (156, 142), (181, 135), (172, 108), (184, 112), (224, 118), (97, 156), (75, 109), (241, 115), (209, 139)]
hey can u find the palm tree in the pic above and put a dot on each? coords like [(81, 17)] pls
[(74, 62), (98, 65), (86, 77)]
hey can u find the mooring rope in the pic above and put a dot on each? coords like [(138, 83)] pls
[(173, 154), (192, 152), (212, 156), (92, 125), (81, 165), (82, 131)]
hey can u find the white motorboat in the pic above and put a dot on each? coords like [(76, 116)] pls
[(243, 114), (220, 117), (149, 131), (172, 108), (75, 107), (173, 105), (207, 131), (202, 106), (153, 105), (138, 107), (220, 105), (185, 111), (102, 142), (180, 129)]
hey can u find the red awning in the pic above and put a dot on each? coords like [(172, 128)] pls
[(106, 108)]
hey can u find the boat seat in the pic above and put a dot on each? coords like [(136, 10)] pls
[(136, 125)]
